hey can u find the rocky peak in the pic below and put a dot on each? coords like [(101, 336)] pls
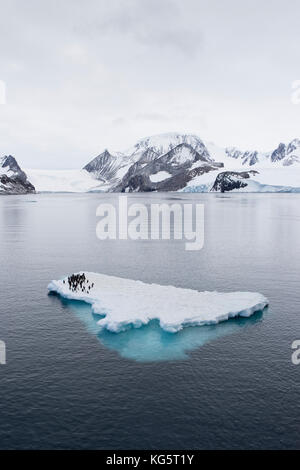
[(279, 153)]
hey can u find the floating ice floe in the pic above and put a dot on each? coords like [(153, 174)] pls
[(126, 303)]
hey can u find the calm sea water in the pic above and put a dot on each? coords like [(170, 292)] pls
[(68, 385)]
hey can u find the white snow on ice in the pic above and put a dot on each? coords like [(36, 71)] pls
[(125, 303), (160, 176)]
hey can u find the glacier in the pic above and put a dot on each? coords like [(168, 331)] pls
[(64, 181), (124, 303)]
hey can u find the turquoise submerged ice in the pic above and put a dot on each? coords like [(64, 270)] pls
[(124, 303), (150, 343)]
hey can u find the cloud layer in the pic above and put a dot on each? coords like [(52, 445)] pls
[(83, 76)]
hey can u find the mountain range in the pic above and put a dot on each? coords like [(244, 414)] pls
[(166, 162)]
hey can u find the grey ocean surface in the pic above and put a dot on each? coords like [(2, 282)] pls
[(68, 385)]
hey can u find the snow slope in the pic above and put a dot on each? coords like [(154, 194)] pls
[(125, 303), (279, 176), (160, 176), (78, 181)]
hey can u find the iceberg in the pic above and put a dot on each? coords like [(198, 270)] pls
[(123, 303)]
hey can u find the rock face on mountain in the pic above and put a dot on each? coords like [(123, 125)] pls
[(279, 153), (142, 182), (13, 180), (105, 167), (169, 172), (288, 154), (248, 158), (230, 180)]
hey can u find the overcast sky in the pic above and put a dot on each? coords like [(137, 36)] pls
[(84, 75)]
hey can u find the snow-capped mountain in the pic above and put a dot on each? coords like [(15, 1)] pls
[(13, 180), (164, 162), (179, 162), (285, 154), (247, 158), (107, 167), (163, 143), (168, 172), (168, 151)]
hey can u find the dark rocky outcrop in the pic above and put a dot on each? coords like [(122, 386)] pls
[(279, 153), (103, 166), (229, 180), (13, 180)]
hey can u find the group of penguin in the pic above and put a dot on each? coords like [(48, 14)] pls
[(79, 282)]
